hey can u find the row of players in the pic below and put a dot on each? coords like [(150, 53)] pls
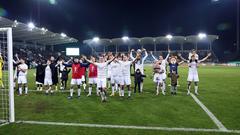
[(115, 69)]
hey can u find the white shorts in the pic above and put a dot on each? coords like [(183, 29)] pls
[(22, 79), (193, 77), (83, 78), (115, 80), (92, 80), (101, 82), (48, 82), (158, 78), (76, 81), (126, 80)]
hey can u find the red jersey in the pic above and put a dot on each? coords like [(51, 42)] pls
[(82, 71), (76, 67), (92, 73)]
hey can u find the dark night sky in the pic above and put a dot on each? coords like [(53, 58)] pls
[(84, 19)]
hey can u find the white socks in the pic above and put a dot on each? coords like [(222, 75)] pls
[(90, 91), (196, 89), (129, 93), (141, 87), (122, 93), (113, 90), (79, 92), (71, 92), (84, 86), (26, 90), (157, 90), (20, 90)]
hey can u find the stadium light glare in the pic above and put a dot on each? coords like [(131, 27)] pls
[(96, 39), (63, 35), (31, 25), (169, 37), (202, 35), (125, 38)]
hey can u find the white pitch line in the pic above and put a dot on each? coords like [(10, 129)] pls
[(209, 113), (127, 127)]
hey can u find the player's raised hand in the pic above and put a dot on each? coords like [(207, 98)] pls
[(179, 54), (209, 54), (169, 51), (151, 52), (144, 49)]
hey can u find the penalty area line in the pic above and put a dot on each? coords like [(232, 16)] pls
[(209, 113), (127, 127)]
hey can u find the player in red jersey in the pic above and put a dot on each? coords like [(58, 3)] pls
[(92, 77), (76, 76)]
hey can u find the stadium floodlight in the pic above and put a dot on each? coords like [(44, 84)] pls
[(63, 35), (31, 25), (125, 38), (15, 23), (169, 37), (44, 30), (202, 35), (96, 39)]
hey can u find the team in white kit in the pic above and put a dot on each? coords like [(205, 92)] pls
[(117, 70)]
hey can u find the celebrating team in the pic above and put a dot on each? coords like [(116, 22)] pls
[(112, 69)]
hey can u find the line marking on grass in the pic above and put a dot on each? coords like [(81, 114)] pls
[(209, 113), (127, 127)]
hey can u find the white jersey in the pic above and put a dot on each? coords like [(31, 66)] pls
[(22, 67), (109, 71), (190, 55), (101, 70), (192, 72), (115, 68), (48, 73), (164, 62), (140, 63), (192, 67), (126, 65)]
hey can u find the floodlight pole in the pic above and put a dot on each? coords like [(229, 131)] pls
[(182, 47)]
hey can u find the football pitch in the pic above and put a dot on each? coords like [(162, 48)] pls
[(215, 110)]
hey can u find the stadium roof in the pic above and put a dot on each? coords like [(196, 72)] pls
[(151, 40), (30, 34)]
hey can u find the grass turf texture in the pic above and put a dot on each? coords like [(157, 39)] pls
[(218, 91)]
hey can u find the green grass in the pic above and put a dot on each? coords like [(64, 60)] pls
[(219, 91)]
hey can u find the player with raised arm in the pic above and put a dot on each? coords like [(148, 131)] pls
[(54, 68), (22, 76), (126, 74), (48, 81), (139, 64), (193, 72), (164, 63), (92, 77), (76, 77), (101, 75), (115, 76)]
